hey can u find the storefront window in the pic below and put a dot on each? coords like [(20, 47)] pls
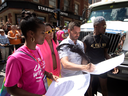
[(76, 9), (42, 18), (52, 3), (18, 19), (66, 5)]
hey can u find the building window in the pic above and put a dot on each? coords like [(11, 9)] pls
[(2, 1), (76, 9), (42, 18), (66, 5), (36, 1), (1, 21), (52, 3), (90, 1)]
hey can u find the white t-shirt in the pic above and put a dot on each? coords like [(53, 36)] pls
[(72, 57)]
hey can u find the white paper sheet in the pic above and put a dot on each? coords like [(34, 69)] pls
[(78, 85), (69, 86), (108, 65)]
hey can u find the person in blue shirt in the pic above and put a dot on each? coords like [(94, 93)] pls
[(4, 41), (65, 31)]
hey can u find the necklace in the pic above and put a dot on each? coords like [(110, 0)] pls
[(42, 63), (97, 45)]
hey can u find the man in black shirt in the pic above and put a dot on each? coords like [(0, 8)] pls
[(96, 47)]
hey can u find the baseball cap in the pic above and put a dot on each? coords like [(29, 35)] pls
[(1, 30)]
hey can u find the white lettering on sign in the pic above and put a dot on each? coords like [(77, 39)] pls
[(63, 13), (3, 6), (45, 9), (51, 10)]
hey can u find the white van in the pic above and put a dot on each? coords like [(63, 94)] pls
[(116, 14)]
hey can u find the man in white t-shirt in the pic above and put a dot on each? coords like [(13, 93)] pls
[(72, 62)]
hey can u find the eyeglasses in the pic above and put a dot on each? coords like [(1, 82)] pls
[(50, 31)]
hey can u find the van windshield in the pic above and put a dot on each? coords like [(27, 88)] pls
[(114, 14)]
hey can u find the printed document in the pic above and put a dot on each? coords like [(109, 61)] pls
[(69, 86)]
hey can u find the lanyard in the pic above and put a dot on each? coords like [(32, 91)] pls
[(42, 60)]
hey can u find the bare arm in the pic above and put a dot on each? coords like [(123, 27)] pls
[(71, 66), (9, 36), (106, 53), (116, 70), (51, 76), (18, 34), (63, 36), (15, 91)]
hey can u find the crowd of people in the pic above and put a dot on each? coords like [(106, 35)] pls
[(10, 38), (50, 53)]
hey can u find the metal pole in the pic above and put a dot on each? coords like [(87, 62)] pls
[(58, 13)]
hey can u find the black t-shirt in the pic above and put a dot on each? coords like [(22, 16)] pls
[(96, 46)]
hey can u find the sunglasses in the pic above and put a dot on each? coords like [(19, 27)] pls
[(48, 32)]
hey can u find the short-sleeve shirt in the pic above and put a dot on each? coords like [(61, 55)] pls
[(24, 71), (14, 41), (72, 57), (4, 40), (96, 46)]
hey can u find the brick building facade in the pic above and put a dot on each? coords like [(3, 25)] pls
[(70, 10)]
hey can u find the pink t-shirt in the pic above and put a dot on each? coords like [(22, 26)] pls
[(24, 71), (59, 35)]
